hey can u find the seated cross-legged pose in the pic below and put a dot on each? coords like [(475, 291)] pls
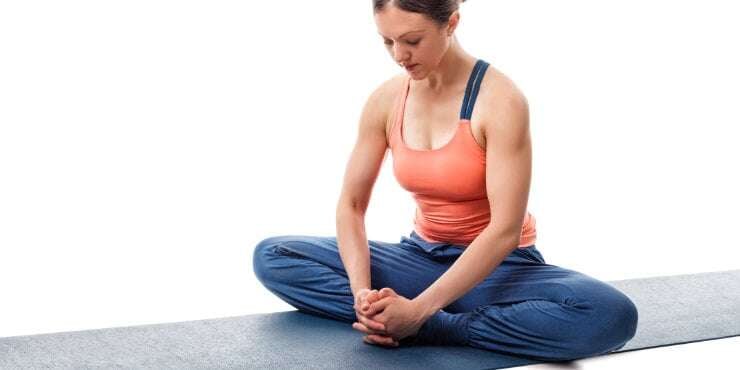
[(469, 273)]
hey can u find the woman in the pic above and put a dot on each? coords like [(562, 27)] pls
[(469, 273)]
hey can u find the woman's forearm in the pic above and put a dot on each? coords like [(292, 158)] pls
[(353, 247), (478, 260)]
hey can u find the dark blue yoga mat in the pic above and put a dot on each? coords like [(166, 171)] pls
[(672, 310)]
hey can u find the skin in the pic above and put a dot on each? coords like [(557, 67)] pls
[(375, 330), (431, 118)]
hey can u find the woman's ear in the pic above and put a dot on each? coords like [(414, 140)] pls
[(453, 22)]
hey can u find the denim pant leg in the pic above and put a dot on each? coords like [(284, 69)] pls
[(530, 308), (524, 307), (307, 272), (548, 312)]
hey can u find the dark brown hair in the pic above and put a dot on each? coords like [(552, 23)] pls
[(437, 10)]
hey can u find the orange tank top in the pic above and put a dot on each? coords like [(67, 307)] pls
[(449, 183)]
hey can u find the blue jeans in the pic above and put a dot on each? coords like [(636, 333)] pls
[(525, 307)]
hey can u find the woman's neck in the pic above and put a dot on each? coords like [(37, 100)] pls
[(454, 68)]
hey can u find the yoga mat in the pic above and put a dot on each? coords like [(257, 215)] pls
[(672, 310)]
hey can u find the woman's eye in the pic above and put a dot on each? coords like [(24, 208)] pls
[(415, 42)]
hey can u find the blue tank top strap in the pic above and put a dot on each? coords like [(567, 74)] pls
[(471, 91)]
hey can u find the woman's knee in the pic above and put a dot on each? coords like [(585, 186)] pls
[(625, 317), (612, 322), (265, 258)]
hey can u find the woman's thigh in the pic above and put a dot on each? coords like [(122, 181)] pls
[(525, 276), (395, 265), (412, 265)]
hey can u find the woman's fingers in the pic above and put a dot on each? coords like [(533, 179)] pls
[(371, 324), (363, 328), (374, 330), (372, 303), (368, 301), (377, 306), (372, 296), (362, 298), (363, 309), (381, 340)]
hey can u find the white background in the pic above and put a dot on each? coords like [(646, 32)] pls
[(146, 147)]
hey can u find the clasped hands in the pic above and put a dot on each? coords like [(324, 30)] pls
[(386, 317)]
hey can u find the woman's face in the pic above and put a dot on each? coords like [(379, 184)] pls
[(414, 41)]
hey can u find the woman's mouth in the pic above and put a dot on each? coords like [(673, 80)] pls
[(411, 67)]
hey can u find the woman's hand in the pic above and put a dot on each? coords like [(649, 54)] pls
[(366, 323), (401, 316)]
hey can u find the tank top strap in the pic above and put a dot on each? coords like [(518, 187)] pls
[(401, 100), (471, 91), (399, 107)]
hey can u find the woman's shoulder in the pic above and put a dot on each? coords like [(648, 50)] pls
[(388, 91), (498, 94), (384, 98), (497, 87)]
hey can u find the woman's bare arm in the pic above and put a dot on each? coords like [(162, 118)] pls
[(360, 174), (508, 177)]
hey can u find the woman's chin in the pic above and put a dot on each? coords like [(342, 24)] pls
[(415, 75)]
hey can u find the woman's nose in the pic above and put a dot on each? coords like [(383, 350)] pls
[(399, 54)]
